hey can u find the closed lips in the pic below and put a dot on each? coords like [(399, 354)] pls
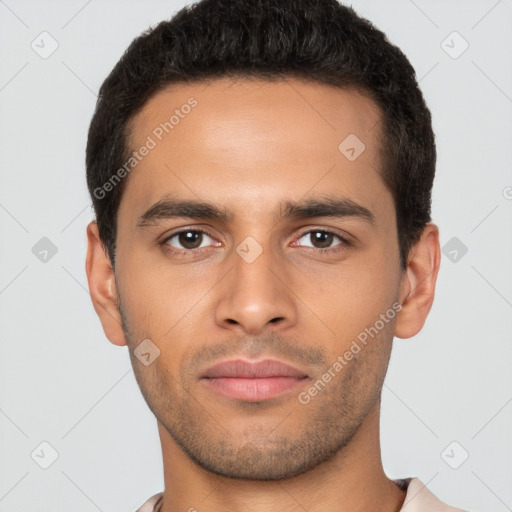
[(241, 369)]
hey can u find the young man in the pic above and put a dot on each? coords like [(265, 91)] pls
[(261, 174)]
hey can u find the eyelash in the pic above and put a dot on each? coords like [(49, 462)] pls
[(340, 247)]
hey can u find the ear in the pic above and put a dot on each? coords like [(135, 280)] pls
[(418, 283), (102, 286)]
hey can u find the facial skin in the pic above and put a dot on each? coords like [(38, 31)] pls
[(247, 147)]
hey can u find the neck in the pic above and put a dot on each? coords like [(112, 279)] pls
[(352, 480)]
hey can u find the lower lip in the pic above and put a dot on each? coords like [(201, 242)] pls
[(252, 390)]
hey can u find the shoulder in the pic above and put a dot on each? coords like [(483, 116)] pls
[(420, 499), (153, 504)]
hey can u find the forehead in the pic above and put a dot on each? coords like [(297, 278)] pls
[(233, 141), (236, 106)]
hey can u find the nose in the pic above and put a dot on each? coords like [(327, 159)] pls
[(256, 296)]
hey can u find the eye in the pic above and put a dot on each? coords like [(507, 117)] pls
[(187, 240), (322, 239)]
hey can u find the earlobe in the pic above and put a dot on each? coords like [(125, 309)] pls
[(418, 284), (102, 287)]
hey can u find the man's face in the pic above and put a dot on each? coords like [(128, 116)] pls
[(247, 148)]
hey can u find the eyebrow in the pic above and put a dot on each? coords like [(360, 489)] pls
[(169, 207)]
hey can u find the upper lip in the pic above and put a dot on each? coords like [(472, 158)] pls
[(255, 370)]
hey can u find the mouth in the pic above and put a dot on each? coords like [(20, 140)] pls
[(252, 382)]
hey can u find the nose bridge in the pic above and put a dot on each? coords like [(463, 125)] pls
[(256, 265), (255, 291)]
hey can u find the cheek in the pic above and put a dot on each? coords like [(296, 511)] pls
[(352, 296), (161, 302)]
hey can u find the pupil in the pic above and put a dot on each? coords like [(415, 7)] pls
[(189, 239), (325, 239)]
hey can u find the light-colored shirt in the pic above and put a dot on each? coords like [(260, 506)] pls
[(417, 499)]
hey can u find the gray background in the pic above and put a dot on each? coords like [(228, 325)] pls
[(63, 383)]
